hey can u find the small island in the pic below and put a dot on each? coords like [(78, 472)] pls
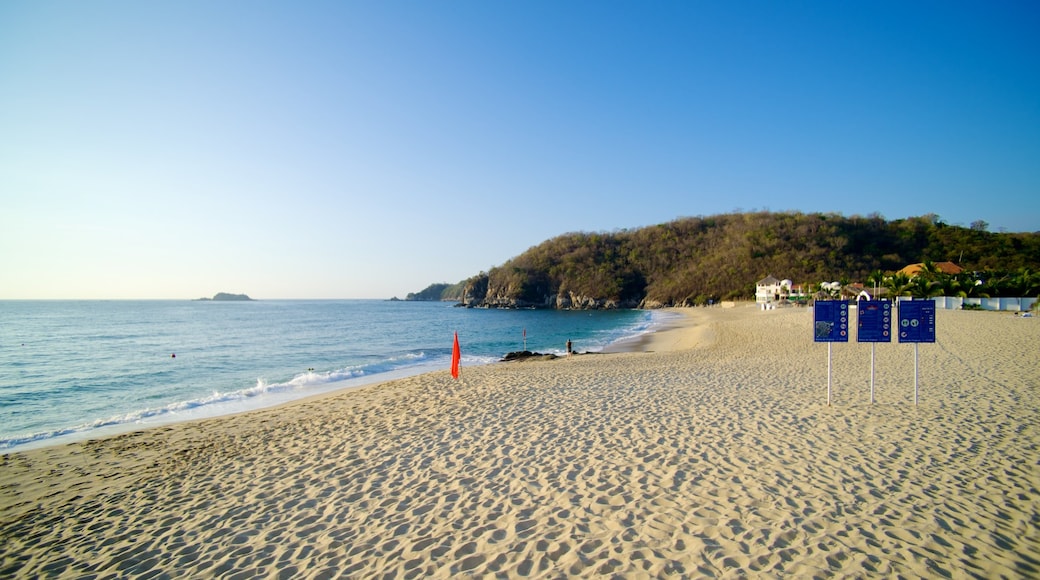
[(225, 297)]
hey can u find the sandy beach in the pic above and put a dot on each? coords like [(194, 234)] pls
[(711, 453)]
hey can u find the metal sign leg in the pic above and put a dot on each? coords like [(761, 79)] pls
[(828, 374), (915, 374), (872, 345)]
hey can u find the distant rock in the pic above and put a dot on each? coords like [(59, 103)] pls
[(524, 355), (225, 297)]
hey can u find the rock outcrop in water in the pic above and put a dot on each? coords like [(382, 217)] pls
[(225, 297)]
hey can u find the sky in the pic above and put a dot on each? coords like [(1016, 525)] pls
[(349, 149)]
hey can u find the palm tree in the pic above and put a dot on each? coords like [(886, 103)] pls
[(1026, 283), (930, 270), (949, 286), (970, 287), (898, 284), (922, 287), (877, 278)]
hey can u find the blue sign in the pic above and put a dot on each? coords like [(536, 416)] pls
[(831, 321), (917, 321), (875, 321)]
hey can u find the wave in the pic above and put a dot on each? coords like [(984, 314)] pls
[(652, 321), (262, 394)]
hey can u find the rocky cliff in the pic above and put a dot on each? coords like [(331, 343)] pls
[(481, 292)]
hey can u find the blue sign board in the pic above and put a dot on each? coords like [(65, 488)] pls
[(917, 321), (875, 321), (831, 321)]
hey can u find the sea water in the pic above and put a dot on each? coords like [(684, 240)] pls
[(76, 369)]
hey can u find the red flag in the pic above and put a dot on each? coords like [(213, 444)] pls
[(456, 355)]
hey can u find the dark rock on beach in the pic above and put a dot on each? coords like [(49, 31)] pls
[(523, 355)]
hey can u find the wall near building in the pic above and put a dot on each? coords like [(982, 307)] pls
[(1003, 304)]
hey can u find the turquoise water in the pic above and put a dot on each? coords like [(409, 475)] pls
[(75, 369)]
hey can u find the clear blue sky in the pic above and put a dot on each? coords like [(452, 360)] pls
[(367, 149)]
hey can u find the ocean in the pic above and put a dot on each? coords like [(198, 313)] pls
[(73, 370)]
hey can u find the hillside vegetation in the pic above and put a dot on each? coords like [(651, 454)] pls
[(438, 291), (693, 260)]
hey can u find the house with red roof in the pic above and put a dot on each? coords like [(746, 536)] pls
[(944, 267)]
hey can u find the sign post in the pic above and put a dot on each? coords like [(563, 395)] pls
[(830, 324), (875, 325), (916, 325)]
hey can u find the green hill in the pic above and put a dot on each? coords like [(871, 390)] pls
[(441, 291), (691, 260)]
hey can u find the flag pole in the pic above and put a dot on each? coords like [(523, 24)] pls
[(456, 356)]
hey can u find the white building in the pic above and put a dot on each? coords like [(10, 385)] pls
[(769, 292)]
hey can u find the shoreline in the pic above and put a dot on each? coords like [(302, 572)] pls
[(115, 425), (690, 328), (713, 453)]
